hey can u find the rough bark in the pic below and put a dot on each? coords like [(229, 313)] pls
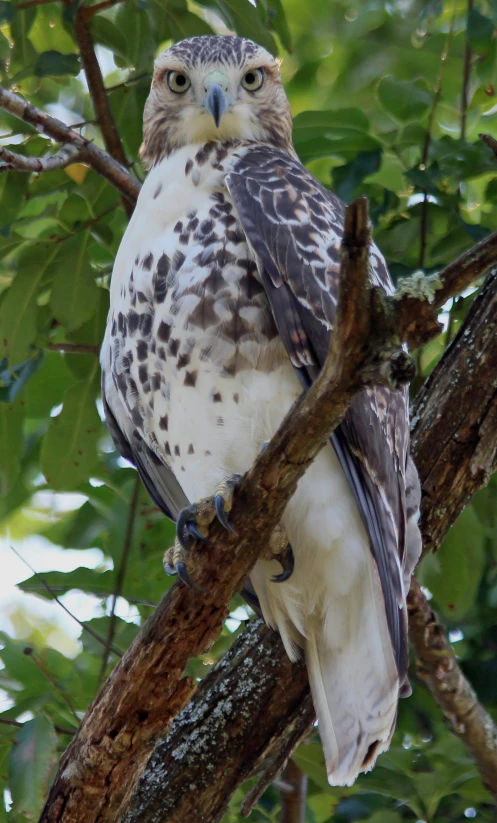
[(441, 416), (454, 423), (249, 699)]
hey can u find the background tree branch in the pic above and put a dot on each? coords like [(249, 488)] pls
[(98, 159)]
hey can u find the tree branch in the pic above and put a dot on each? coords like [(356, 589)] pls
[(96, 87), (461, 374), (73, 348), (9, 160), (438, 669), (121, 573), (454, 420), (98, 159), (89, 11), (293, 802), (466, 75), (5, 721)]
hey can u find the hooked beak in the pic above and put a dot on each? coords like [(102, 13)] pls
[(217, 99)]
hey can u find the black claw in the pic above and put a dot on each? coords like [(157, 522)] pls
[(186, 579), (194, 532), (221, 514), (264, 447), (182, 532), (287, 561), (170, 570)]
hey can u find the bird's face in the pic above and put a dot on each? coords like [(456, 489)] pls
[(213, 88)]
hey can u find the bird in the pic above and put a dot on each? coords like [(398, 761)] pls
[(222, 304)]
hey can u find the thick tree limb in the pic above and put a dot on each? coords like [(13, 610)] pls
[(98, 159), (220, 739), (454, 421), (441, 418)]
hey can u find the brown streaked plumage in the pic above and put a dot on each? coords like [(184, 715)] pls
[(223, 301)]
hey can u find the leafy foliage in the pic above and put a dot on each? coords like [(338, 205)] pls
[(376, 90)]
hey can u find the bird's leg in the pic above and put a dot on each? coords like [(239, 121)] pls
[(280, 549), (193, 524)]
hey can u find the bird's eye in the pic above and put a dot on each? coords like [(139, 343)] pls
[(178, 82), (253, 80)]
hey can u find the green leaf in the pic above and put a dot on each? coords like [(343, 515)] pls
[(46, 388), (13, 190), (11, 443), (480, 32), (54, 63), (245, 18), (31, 761), (13, 380), (277, 22), (342, 133), (90, 581), (310, 758), (74, 293), (18, 310), (69, 450), (6, 12), (347, 178), (23, 55), (453, 574), (404, 101)]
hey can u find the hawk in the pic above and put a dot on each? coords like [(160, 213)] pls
[(222, 303)]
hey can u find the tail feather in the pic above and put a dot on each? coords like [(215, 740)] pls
[(355, 688)]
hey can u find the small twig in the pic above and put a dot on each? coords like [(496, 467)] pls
[(130, 80), (87, 224), (305, 720), (28, 651), (490, 141), (95, 80), (98, 159), (423, 229), (121, 573), (73, 348), (438, 669), (89, 11), (466, 76), (67, 155), (51, 592), (4, 721), (293, 803), (30, 3)]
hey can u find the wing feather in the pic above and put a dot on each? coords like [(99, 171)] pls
[(294, 226), (156, 476)]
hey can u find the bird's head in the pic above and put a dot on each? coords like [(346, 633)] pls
[(213, 88)]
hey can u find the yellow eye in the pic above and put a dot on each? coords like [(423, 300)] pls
[(178, 82), (253, 80)]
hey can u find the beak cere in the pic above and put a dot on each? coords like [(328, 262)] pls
[(216, 102)]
